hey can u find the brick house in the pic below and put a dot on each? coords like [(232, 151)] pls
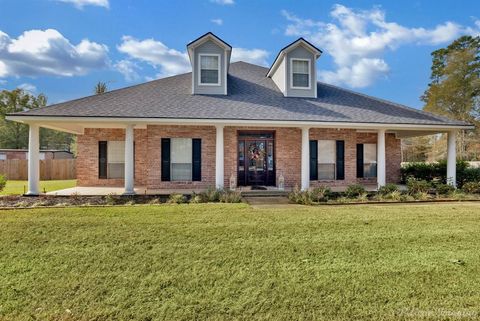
[(236, 124)]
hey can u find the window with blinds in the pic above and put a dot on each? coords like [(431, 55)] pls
[(116, 159), (369, 160), (181, 159), (326, 159), (209, 69), (300, 73)]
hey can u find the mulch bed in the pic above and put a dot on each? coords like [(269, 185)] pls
[(16, 201)]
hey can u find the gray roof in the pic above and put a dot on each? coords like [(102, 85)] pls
[(251, 96)]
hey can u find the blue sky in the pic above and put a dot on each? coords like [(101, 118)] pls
[(64, 47)]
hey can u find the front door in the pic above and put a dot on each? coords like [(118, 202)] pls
[(256, 164)]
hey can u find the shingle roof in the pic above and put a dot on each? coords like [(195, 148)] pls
[(251, 96)]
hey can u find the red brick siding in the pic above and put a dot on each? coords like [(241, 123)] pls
[(287, 154), (87, 156), (350, 138), (156, 133)]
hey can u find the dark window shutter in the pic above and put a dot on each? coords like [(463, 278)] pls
[(102, 159), (165, 159), (360, 160), (196, 159), (340, 160), (313, 160)]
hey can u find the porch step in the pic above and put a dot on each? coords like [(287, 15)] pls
[(267, 193)]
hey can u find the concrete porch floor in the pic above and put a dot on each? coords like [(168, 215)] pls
[(142, 190)]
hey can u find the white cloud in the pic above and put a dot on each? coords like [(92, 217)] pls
[(223, 2), (47, 52), (358, 39), (217, 21), (82, 3), (169, 61), (254, 56), (28, 87), (128, 68)]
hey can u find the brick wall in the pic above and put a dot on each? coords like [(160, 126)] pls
[(350, 138), (87, 156), (287, 154), (154, 136)]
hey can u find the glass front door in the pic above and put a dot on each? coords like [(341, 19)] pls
[(256, 165)]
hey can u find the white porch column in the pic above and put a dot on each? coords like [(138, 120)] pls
[(219, 158), (381, 163), (452, 158), (129, 160), (33, 160), (305, 158)]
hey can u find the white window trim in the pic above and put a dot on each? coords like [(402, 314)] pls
[(219, 83), (309, 73)]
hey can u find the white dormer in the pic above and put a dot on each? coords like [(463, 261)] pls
[(294, 69), (210, 59)]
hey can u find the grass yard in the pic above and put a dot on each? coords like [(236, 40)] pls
[(230, 262), (17, 187)]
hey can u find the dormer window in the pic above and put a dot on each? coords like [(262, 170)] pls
[(300, 73), (209, 70)]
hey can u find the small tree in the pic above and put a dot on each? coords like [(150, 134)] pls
[(100, 88)]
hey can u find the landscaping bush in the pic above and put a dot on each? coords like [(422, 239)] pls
[(320, 194), (300, 197), (354, 190), (228, 196), (212, 195), (387, 189), (176, 199), (438, 172), (3, 182), (471, 187), (417, 186), (111, 199), (444, 189)]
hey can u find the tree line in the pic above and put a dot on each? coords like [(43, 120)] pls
[(14, 135)]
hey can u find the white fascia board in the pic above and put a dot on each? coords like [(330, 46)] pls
[(92, 121)]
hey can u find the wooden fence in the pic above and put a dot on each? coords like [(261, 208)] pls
[(50, 169)]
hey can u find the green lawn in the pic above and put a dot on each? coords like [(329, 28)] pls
[(18, 187), (231, 262)]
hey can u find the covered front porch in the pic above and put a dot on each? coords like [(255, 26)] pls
[(218, 141)]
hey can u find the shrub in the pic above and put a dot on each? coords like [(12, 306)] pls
[(394, 196), (198, 198), (438, 172), (228, 196), (320, 194), (111, 199), (300, 197), (421, 196), (176, 199), (471, 187), (362, 197), (417, 186), (212, 195), (354, 190), (387, 189), (3, 182), (444, 189)]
